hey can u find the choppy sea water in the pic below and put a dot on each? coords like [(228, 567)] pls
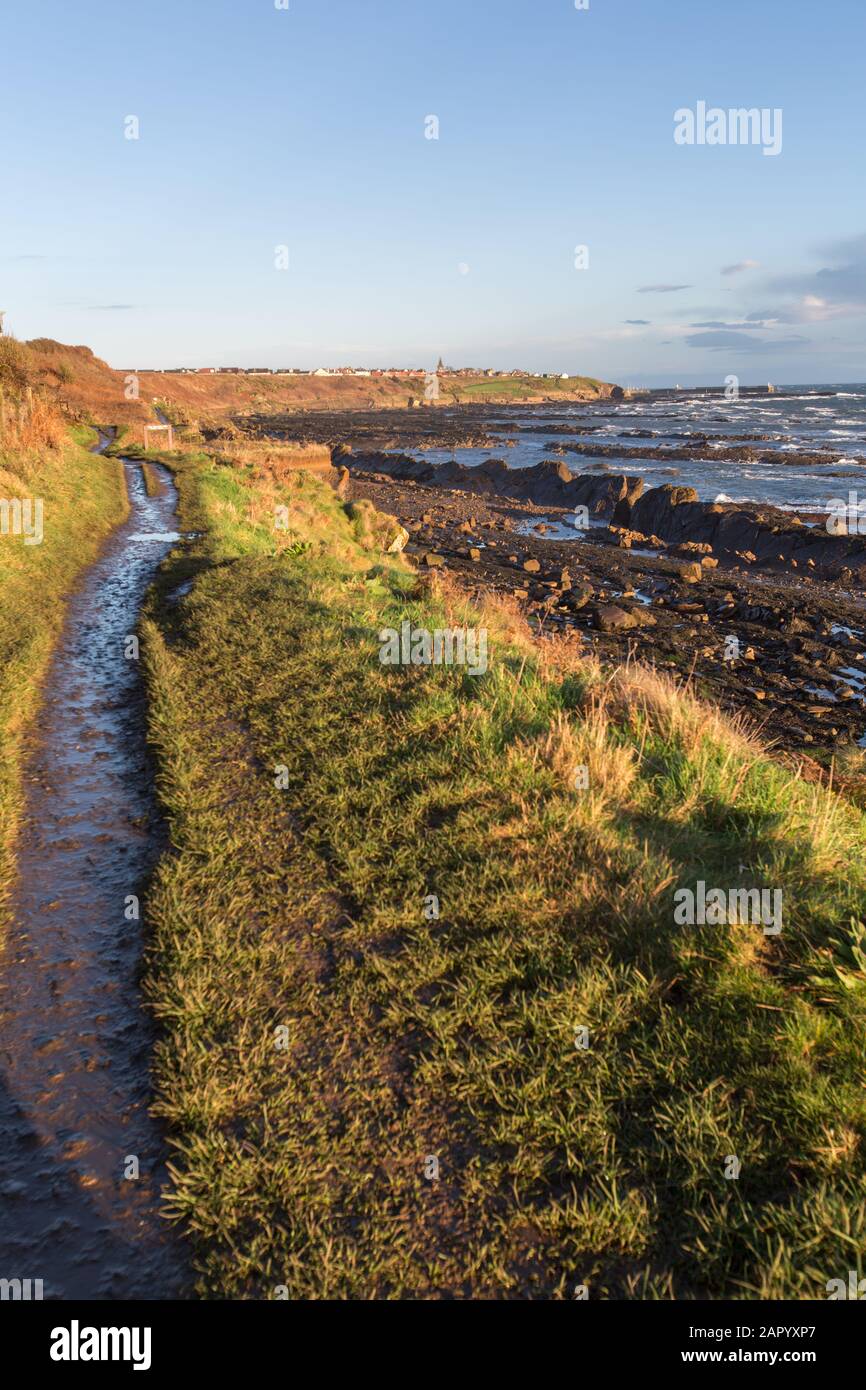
[(795, 419)]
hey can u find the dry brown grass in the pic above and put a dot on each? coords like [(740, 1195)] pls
[(42, 427), (499, 613), (572, 749), (83, 386), (29, 423), (637, 694), (276, 461)]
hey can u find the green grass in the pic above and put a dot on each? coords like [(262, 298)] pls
[(153, 482), (301, 1158), (84, 498), (517, 388)]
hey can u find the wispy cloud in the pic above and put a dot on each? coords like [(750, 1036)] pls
[(726, 340), (739, 266), (641, 323), (661, 289), (742, 324), (110, 307)]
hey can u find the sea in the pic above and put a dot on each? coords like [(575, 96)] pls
[(794, 419)]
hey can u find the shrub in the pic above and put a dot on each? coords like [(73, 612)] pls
[(15, 365)]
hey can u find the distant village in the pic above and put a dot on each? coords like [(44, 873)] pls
[(407, 373)]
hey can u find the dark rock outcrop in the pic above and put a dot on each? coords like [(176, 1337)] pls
[(741, 535), (547, 483), (754, 535), (652, 512)]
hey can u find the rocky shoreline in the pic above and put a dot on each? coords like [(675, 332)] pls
[(442, 427), (763, 615), (745, 535), (709, 448)]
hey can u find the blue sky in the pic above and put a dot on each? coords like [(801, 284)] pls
[(305, 127)]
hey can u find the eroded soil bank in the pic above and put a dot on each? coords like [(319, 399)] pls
[(75, 1044)]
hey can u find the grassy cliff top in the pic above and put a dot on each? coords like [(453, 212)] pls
[(433, 1026), (89, 390)]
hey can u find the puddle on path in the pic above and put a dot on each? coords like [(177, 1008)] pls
[(75, 1043)]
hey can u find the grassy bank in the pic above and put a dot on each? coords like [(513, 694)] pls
[(153, 481), (516, 389), (370, 1100), (83, 498), (93, 391)]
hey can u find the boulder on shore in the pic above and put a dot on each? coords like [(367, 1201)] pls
[(608, 618)]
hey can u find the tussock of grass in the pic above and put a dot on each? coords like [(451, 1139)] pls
[(84, 498), (409, 1038), (276, 460), (154, 485)]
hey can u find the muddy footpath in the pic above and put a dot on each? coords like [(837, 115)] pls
[(82, 1164)]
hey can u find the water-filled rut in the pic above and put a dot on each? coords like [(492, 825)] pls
[(75, 1043)]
